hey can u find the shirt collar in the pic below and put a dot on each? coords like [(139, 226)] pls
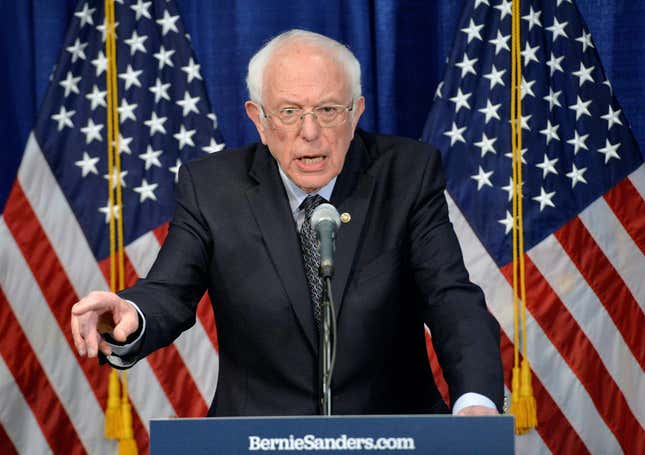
[(296, 195)]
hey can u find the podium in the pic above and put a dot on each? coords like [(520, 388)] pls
[(420, 434)]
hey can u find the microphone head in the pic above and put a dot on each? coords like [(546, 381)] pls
[(325, 212)]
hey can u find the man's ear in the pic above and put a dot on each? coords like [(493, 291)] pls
[(254, 112), (359, 108)]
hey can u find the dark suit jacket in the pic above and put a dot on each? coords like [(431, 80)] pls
[(398, 265)]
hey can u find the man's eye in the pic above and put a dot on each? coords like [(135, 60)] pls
[(328, 109), (289, 112)]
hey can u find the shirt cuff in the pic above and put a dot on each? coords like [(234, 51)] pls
[(124, 354), (471, 399)]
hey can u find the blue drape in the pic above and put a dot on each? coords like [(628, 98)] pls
[(401, 45)]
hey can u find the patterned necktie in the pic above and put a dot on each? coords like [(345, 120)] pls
[(311, 254)]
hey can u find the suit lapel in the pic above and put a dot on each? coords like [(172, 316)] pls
[(352, 195), (270, 207)]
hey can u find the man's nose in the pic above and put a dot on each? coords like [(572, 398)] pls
[(310, 129)]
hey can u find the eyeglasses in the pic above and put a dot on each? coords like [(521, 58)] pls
[(327, 116)]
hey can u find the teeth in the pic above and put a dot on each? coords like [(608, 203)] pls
[(312, 160)]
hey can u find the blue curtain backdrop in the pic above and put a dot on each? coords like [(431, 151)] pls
[(401, 45)]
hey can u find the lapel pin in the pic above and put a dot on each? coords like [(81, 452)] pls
[(345, 218)]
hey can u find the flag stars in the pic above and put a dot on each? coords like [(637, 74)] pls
[(105, 29), (460, 100), (455, 134), (131, 77), (524, 122), (77, 50), (527, 88), (120, 178), (136, 43), (495, 77), (533, 18), (490, 111), (160, 90), (124, 144), (85, 15), (545, 199), (185, 137), (192, 70), (437, 93), (151, 157), (480, 2), (576, 175), (164, 57), (584, 74), (509, 155), (482, 178), (610, 150), (467, 66), (64, 118), (501, 42), (156, 124), (548, 166), (214, 147), (473, 31), (507, 222), (554, 63), (529, 54), (175, 169), (578, 142), (550, 132), (558, 29), (486, 145), (167, 23), (70, 84), (509, 188), (100, 62), (213, 117), (505, 8), (189, 104), (585, 39), (581, 107), (126, 111), (146, 190), (553, 98), (92, 131), (141, 9), (96, 97), (612, 117), (106, 210), (87, 165)]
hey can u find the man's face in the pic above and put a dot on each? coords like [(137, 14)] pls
[(304, 77)]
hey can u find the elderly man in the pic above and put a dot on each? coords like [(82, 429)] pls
[(236, 233)]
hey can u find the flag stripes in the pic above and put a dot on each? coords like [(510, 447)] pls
[(18, 425), (606, 283), (631, 215), (61, 433), (179, 380), (586, 376)]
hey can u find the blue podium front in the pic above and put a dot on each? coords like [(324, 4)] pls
[(334, 435)]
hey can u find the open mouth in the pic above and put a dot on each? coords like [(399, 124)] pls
[(311, 160)]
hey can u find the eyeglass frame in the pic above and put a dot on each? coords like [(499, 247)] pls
[(298, 123)]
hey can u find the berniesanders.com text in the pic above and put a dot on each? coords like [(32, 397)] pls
[(311, 442)]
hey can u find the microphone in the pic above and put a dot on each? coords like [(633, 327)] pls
[(326, 221)]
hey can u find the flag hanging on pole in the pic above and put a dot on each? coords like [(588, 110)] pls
[(54, 232), (583, 216)]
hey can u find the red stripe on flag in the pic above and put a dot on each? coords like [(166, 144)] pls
[(23, 363), (169, 367), (6, 444), (628, 205), (583, 359), (161, 232), (207, 318), (606, 283), (437, 371), (553, 427), (56, 288)]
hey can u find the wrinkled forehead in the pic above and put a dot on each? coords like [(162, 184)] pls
[(305, 68)]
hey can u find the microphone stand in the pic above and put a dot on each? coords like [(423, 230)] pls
[(327, 346)]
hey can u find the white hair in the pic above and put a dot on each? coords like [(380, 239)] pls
[(340, 52)]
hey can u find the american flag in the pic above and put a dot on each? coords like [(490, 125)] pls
[(584, 217), (54, 236)]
